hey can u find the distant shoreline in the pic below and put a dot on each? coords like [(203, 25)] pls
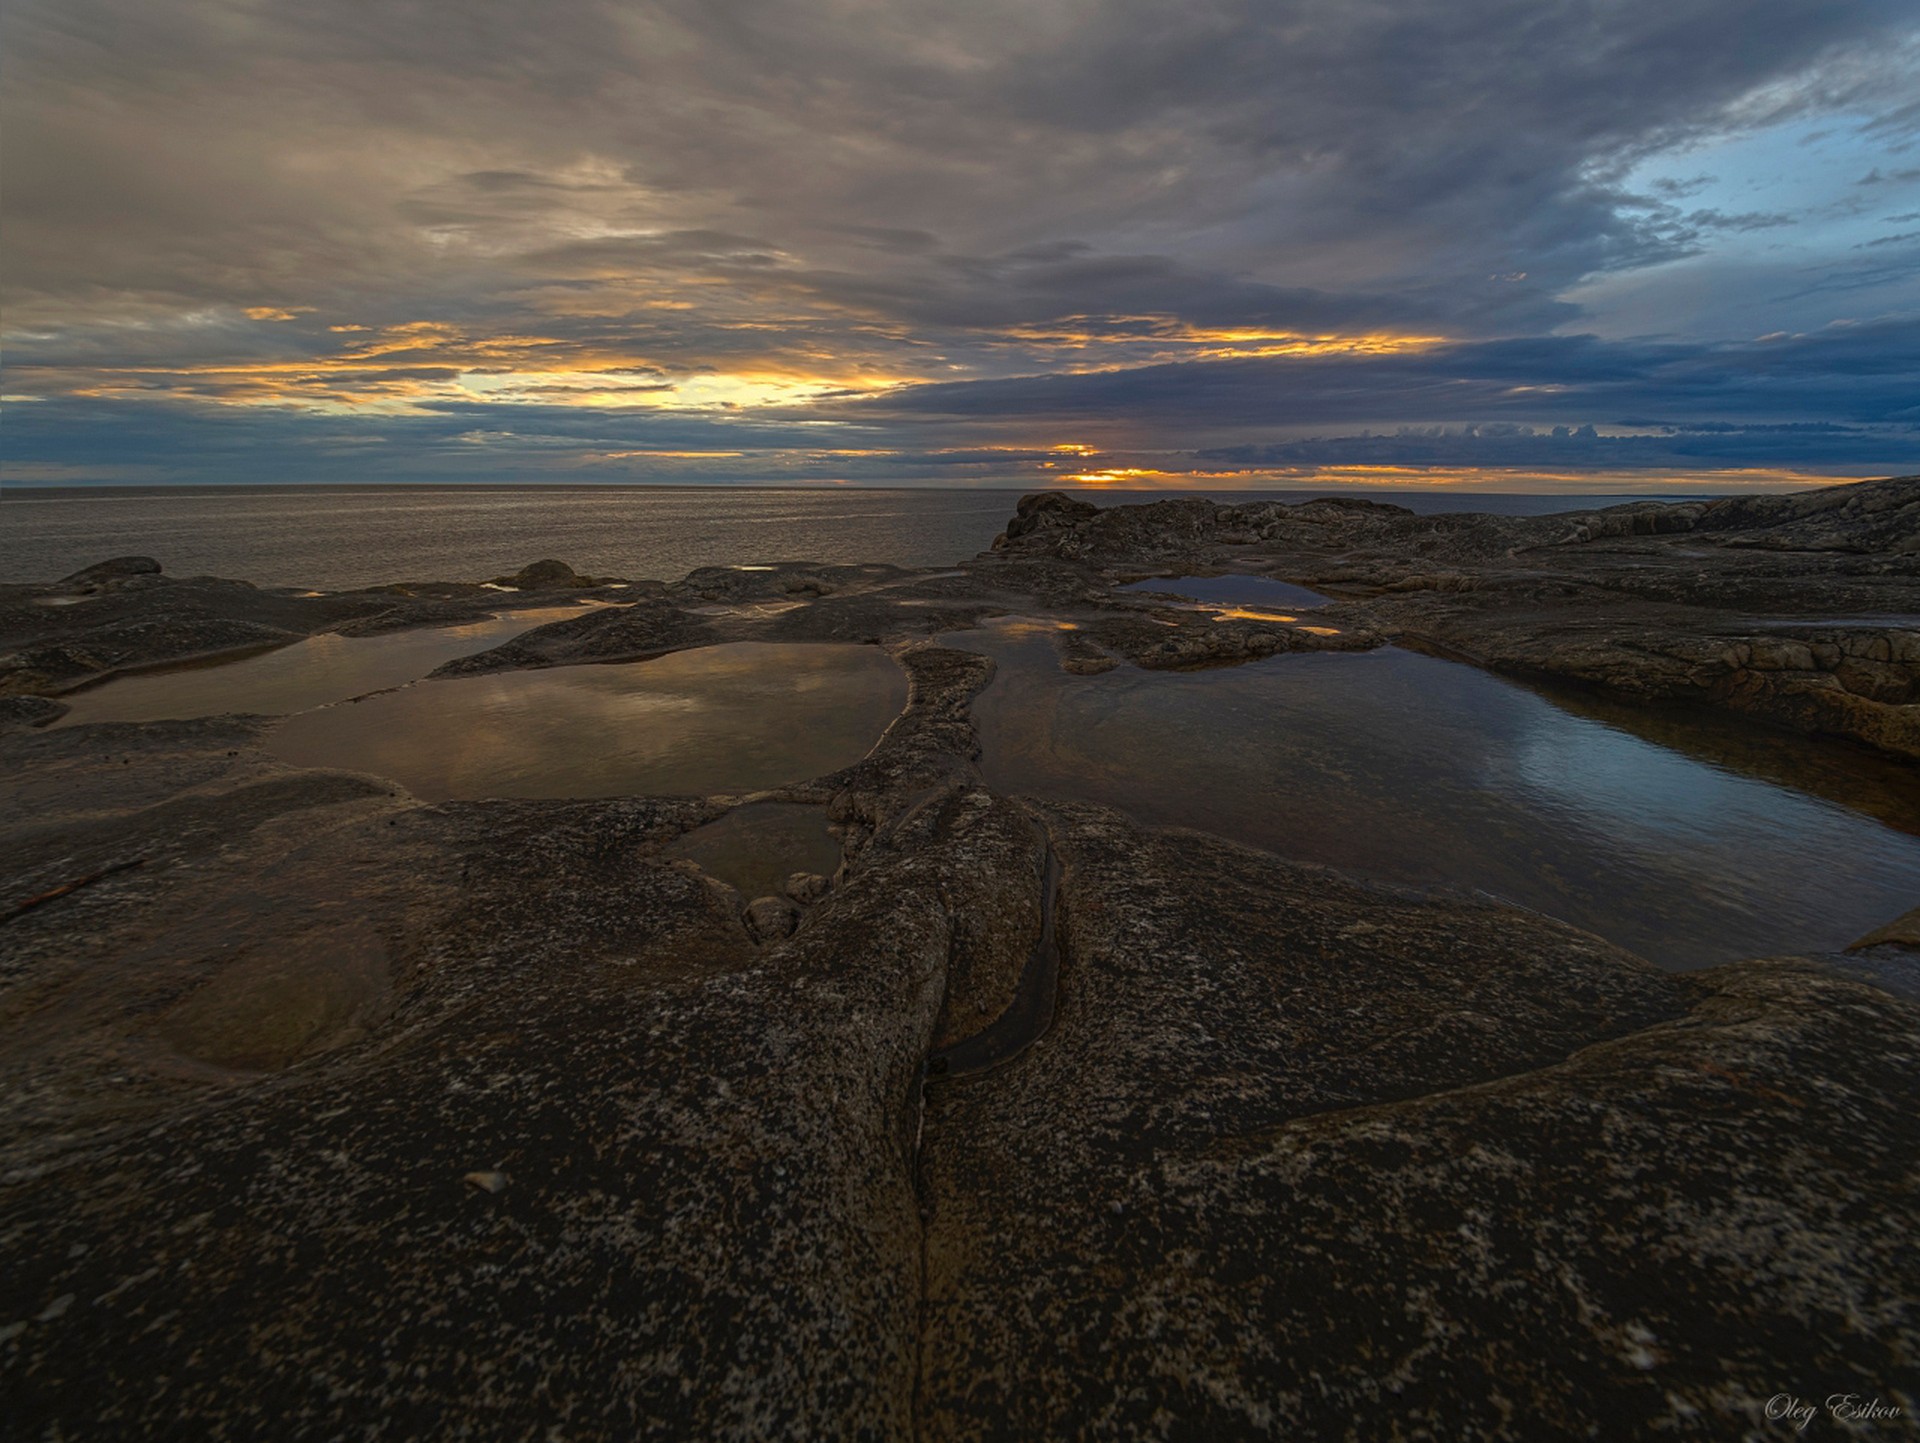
[(201, 488)]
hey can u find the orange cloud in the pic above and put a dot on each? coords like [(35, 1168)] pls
[(1163, 337)]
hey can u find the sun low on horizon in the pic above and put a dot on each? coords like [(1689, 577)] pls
[(1479, 245)]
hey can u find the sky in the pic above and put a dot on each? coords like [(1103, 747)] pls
[(1616, 244)]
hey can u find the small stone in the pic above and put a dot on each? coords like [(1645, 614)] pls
[(487, 1181), (116, 569), (771, 918), (806, 888), (55, 1309), (543, 576), (1902, 931)]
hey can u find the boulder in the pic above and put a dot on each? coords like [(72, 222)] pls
[(806, 888), (103, 574), (548, 575), (1044, 511), (770, 919)]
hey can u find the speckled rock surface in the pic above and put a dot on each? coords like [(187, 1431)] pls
[(1304, 1160), (331, 1114), (708, 1198), (264, 1228)]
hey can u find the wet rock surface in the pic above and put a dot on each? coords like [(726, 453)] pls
[(332, 1113)]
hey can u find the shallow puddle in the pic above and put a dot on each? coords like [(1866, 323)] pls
[(716, 719), (1260, 593), (306, 674), (755, 848), (1427, 772)]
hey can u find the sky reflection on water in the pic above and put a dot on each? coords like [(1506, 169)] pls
[(306, 674), (730, 718), (1426, 772)]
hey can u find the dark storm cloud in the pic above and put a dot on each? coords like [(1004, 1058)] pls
[(1387, 131), (1508, 446), (445, 442), (1859, 373), (252, 228)]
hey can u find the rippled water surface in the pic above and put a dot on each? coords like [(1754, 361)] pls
[(1426, 772), (307, 674), (716, 719)]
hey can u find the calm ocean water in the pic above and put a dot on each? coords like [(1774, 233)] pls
[(342, 536)]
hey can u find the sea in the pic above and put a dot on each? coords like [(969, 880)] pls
[(335, 537)]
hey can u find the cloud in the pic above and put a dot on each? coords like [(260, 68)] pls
[(922, 229), (1663, 448), (1855, 373)]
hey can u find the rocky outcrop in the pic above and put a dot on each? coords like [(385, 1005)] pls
[(1046, 511), (105, 575), (545, 576), (128, 615), (1188, 638), (781, 581), (619, 633), (1800, 610), (29, 711), (1861, 682), (1052, 523), (1873, 518), (1903, 932)]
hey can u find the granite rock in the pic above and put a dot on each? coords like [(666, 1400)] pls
[(333, 1113)]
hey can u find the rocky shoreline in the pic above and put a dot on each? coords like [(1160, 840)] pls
[(1801, 610), (332, 1113)]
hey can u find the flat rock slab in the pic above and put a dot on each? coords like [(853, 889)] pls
[(332, 1113)]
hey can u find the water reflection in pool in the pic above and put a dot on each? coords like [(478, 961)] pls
[(755, 848), (306, 674), (717, 719), (1423, 771)]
